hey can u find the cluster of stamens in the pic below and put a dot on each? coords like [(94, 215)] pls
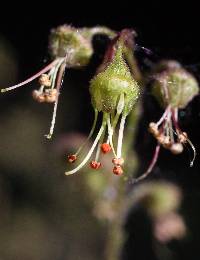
[(45, 93), (103, 147), (50, 80), (95, 165), (168, 134), (118, 162), (176, 147)]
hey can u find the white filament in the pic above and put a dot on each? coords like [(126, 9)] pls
[(163, 116), (194, 152), (53, 121), (89, 153), (59, 83), (91, 132), (47, 68), (110, 135), (120, 105), (120, 137)]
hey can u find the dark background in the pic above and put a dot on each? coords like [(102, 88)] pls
[(169, 31)]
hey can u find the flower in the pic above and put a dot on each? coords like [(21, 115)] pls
[(69, 47), (174, 88), (113, 93)]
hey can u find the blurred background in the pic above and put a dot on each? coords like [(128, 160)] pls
[(45, 215)]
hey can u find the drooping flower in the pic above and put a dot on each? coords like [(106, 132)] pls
[(174, 88), (69, 47), (114, 92)]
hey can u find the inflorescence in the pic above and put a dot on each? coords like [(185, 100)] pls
[(114, 91)]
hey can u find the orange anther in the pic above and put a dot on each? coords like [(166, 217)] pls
[(95, 165), (71, 158), (44, 80), (50, 95), (182, 137), (105, 148), (118, 161), (176, 148), (38, 96), (117, 170)]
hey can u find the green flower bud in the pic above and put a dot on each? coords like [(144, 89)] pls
[(174, 86), (107, 86), (71, 42)]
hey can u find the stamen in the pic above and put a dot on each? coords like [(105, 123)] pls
[(91, 132), (176, 114), (115, 120), (166, 142), (120, 136), (118, 161), (176, 148), (38, 96), (99, 146), (120, 107), (163, 116), (151, 166), (44, 80), (47, 68), (171, 131), (54, 72), (110, 135), (105, 148), (182, 137), (71, 158), (98, 152), (194, 152), (58, 86), (153, 129), (95, 165), (175, 121), (50, 95), (117, 170), (90, 151)]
